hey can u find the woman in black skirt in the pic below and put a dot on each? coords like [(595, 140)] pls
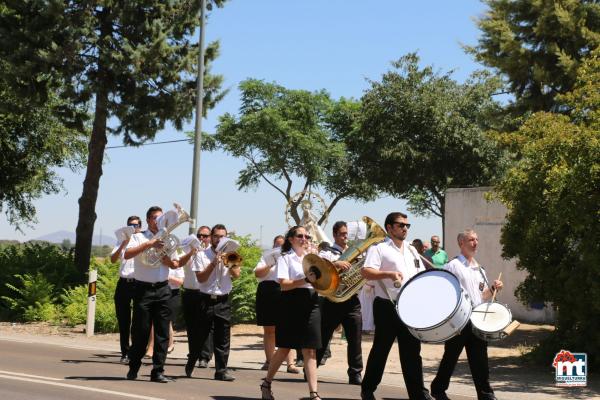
[(299, 320), (267, 303)]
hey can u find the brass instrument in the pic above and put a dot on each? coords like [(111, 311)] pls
[(232, 259), (339, 286), (171, 219)]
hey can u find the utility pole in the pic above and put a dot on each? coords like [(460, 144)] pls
[(198, 126)]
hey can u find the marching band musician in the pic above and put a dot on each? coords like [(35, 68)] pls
[(391, 262), (348, 313), (299, 320), (215, 283), (152, 294), (474, 281), (125, 290), (267, 302)]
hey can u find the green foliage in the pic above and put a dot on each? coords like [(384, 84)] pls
[(553, 223), (537, 46), (420, 132), (284, 134), (243, 293), (48, 260), (75, 299), (33, 298)]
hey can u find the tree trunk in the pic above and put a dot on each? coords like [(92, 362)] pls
[(87, 202), (443, 212)]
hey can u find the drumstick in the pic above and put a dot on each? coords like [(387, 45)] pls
[(496, 289), (511, 327), (493, 298)]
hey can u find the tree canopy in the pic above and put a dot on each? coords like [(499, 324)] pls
[(287, 135), (537, 46)]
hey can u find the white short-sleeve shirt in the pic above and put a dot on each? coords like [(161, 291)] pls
[(219, 281), (190, 281), (289, 266), (386, 256), (142, 272), (272, 274), (175, 273), (470, 277), (332, 254), (126, 269)]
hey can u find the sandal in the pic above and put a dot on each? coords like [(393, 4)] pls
[(314, 396), (291, 369), (265, 390)]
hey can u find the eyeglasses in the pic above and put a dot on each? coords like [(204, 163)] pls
[(202, 236), (135, 225), (300, 236), (401, 225)]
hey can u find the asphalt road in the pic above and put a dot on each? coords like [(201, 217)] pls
[(49, 371)]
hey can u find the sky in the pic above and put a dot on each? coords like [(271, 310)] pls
[(334, 45)]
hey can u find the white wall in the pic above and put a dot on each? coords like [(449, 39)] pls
[(467, 208)]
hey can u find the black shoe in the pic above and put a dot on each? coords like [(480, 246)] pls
[(355, 380), (224, 376), (131, 375), (323, 361), (365, 395), (124, 360), (440, 396), (486, 396), (202, 363), (299, 363), (189, 367), (160, 378)]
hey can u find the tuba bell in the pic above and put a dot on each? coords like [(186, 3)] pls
[(339, 286), (167, 223)]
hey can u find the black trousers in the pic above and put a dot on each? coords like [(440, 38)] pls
[(215, 313), (191, 304), (388, 328), (150, 307), (478, 363), (208, 347), (124, 294), (348, 314)]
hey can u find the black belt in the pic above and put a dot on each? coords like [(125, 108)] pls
[(128, 280), (214, 297), (152, 284)]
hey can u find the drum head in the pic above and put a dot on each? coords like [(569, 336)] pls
[(428, 299), (490, 317)]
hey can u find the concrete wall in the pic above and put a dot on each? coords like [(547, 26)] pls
[(467, 208)]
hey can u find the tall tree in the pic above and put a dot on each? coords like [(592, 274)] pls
[(131, 61), (420, 132), (537, 46), (287, 135), (553, 224)]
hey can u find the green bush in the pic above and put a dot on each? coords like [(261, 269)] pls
[(33, 300), (243, 293)]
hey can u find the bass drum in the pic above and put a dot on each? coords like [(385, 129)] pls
[(489, 321), (433, 306)]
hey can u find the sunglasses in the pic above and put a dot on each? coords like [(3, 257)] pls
[(300, 236), (135, 225), (202, 236), (402, 225)]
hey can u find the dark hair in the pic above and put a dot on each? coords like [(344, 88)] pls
[(218, 226), (324, 246), (133, 217), (391, 218), (151, 210), (417, 241), (203, 227), (287, 245), (337, 226), (277, 238)]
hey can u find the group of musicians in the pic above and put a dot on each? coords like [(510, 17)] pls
[(293, 315)]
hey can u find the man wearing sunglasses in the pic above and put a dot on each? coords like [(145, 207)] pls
[(125, 289), (390, 264), (347, 313)]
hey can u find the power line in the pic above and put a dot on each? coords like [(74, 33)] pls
[(148, 144)]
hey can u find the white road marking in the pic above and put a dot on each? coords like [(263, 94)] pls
[(89, 389), (30, 376)]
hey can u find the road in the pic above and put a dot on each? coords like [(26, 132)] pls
[(31, 370)]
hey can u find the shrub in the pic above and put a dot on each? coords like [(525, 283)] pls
[(33, 298), (243, 293)]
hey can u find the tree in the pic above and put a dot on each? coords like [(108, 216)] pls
[(537, 46), (420, 132), (553, 224), (132, 61), (286, 135), (33, 142)]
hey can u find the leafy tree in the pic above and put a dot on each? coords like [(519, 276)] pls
[(537, 46), (420, 132), (33, 143), (132, 61), (287, 135), (553, 224)]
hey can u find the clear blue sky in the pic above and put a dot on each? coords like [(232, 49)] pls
[(333, 44)]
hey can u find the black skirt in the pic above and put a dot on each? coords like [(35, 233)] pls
[(299, 321), (267, 303)]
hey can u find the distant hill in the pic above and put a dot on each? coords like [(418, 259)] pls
[(59, 236)]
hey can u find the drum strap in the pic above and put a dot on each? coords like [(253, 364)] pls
[(481, 269)]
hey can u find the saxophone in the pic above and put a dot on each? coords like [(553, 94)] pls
[(339, 286), (172, 219)]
